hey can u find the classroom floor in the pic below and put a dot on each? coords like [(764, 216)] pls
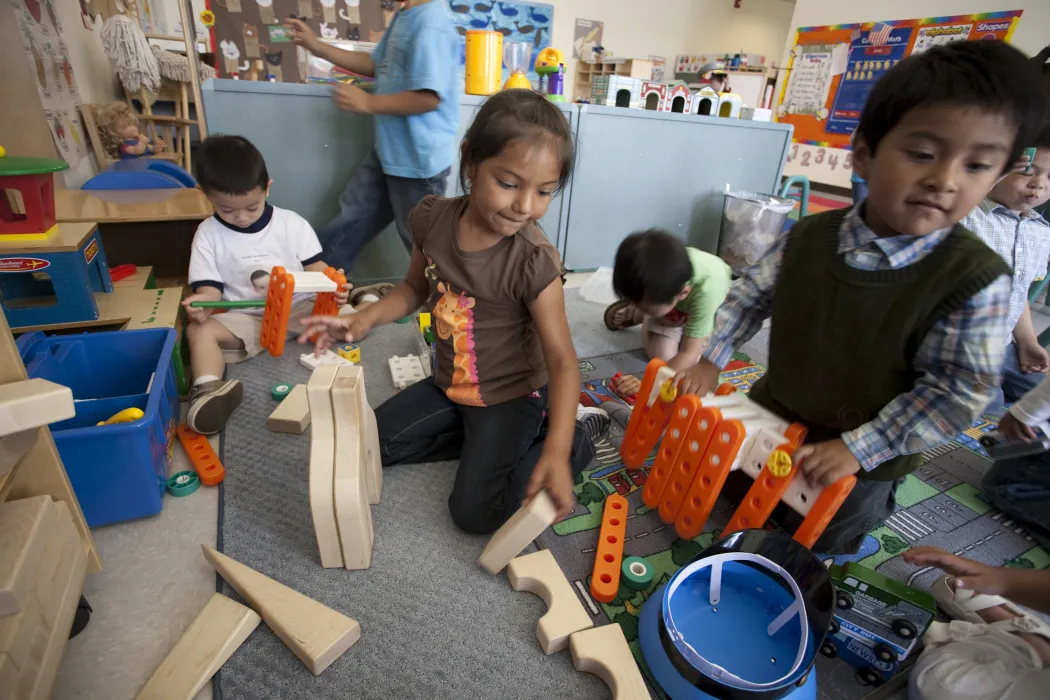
[(154, 582)]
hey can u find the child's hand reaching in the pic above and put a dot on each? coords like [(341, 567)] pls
[(969, 575), (700, 379), (555, 475), (824, 463), (1014, 429), (1032, 357), (342, 295), (195, 314), (325, 331)]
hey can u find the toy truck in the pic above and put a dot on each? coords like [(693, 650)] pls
[(878, 621)]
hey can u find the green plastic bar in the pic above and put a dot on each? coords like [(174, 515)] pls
[(251, 304)]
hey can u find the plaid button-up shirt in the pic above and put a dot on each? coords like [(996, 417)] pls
[(1023, 241), (959, 361)]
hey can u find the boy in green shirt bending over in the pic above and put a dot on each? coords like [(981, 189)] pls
[(673, 291)]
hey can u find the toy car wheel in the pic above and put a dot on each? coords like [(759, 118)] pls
[(834, 627), (843, 600), (869, 676), (828, 649), (987, 441), (905, 629), (885, 654)]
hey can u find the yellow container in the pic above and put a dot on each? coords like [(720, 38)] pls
[(484, 65)]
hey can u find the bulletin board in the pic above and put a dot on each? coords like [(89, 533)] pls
[(833, 69), (246, 30)]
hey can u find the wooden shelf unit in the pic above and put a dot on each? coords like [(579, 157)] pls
[(628, 67)]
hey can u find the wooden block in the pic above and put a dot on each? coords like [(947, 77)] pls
[(14, 447), (603, 651), (23, 526), (352, 513), (516, 534), (322, 466), (32, 403), (8, 675), (314, 632), (539, 573), (17, 631), (312, 362), (69, 583), (220, 628), (370, 445), (62, 532), (292, 415)]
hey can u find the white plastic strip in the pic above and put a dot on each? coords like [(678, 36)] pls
[(782, 619), (313, 282), (716, 582)]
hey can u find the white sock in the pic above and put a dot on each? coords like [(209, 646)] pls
[(372, 298), (205, 378)]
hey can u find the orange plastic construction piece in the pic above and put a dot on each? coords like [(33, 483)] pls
[(710, 476), (670, 451), (762, 497), (202, 456), (647, 422), (605, 580), (278, 308), (683, 473), (325, 304), (823, 511), (725, 389)]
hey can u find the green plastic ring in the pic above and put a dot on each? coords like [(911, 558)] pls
[(406, 319), (183, 484), (279, 391), (637, 573)]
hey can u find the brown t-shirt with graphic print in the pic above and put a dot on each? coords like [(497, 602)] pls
[(488, 350)]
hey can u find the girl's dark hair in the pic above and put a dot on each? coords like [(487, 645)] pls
[(516, 114), (991, 75)]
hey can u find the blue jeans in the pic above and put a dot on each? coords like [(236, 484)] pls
[(497, 448), (1015, 382), (1020, 488), (372, 199)]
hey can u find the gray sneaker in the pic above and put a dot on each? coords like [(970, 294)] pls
[(212, 404), (593, 420)]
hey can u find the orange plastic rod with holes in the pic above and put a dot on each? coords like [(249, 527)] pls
[(667, 456), (698, 441), (202, 456), (605, 580), (725, 389), (709, 478), (278, 307), (647, 422), (768, 488), (325, 304), (823, 511)]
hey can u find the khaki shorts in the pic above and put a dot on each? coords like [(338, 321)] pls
[(653, 324), (248, 327)]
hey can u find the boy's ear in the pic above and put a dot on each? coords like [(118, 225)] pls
[(684, 293), (862, 156), (268, 186)]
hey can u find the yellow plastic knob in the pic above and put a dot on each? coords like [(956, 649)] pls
[(779, 463), (3, 151), (668, 392)]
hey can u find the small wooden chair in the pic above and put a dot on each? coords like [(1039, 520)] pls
[(168, 127)]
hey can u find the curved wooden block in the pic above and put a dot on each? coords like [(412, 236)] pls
[(352, 512), (603, 651), (516, 534), (539, 573), (370, 446), (313, 631), (322, 466)]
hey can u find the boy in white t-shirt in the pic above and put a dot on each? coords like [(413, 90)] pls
[(233, 253)]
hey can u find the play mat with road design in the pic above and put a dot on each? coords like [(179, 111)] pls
[(939, 505)]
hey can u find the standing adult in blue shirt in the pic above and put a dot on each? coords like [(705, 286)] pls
[(416, 114)]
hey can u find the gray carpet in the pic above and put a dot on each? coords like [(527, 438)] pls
[(434, 625)]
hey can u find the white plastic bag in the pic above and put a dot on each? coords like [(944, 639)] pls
[(751, 224), (598, 288)]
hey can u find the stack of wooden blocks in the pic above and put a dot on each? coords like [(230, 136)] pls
[(42, 567), (346, 474)]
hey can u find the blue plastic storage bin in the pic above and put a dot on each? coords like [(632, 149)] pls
[(118, 471)]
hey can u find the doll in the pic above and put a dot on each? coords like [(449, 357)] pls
[(121, 138)]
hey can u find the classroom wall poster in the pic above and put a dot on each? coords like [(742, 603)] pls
[(47, 54), (832, 70), (516, 21), (588, 35)]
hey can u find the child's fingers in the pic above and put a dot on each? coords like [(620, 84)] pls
[(938, 558)]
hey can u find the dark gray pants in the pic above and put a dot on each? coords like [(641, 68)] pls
[(372, 199), (497, 447)]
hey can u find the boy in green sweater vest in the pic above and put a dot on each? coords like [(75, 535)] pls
[(889, 319)]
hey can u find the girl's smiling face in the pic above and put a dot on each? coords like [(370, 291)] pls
[(515, 186)]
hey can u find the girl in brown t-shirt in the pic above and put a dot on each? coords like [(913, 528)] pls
[(505, 360)]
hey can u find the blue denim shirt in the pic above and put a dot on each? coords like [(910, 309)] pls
[(419, 51)]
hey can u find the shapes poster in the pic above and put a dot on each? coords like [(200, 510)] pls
[(48, 55), (834, 68), (517, 21)]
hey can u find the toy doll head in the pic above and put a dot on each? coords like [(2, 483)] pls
[(118, 123)]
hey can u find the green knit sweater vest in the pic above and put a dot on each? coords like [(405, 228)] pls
[(843, 340)]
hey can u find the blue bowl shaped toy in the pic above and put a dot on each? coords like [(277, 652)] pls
[(743, 620)]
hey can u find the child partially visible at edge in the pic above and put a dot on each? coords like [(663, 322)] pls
[(889, 319), (493, 283), (673, 291), (230, 260), (1007, 221)]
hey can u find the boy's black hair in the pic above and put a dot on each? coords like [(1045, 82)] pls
[(230, 165), (991, 75), (651, 267), (514, 114), (257, 274), (1042, 139)]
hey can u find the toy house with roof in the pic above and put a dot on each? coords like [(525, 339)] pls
[(617, 91), (654, 94), (679, 99)]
